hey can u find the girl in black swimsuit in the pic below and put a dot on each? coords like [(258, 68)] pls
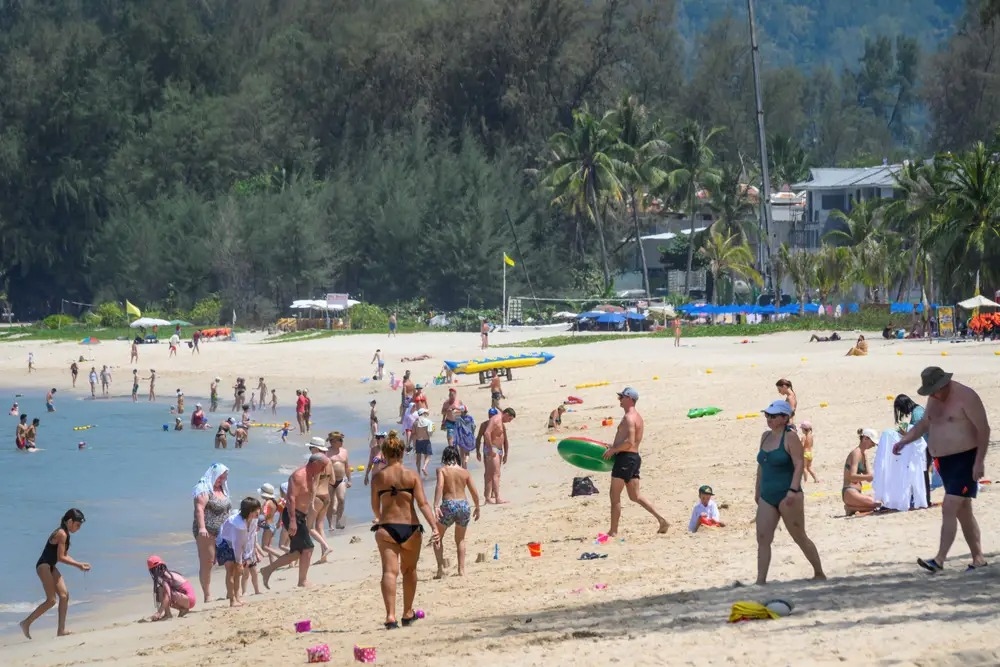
[(56, 551), (395, 491)]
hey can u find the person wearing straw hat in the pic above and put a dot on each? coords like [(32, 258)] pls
[(958, 435), (270, 512)]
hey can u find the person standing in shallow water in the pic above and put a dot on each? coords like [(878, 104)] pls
[(778, 490), (56, 551)]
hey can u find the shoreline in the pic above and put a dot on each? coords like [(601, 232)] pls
[(654, 595)]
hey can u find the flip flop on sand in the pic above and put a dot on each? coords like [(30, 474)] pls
[(930, 565), (973, 566), (591, 556)]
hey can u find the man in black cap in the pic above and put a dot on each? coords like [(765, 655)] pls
[(625, 450), (958, 435)]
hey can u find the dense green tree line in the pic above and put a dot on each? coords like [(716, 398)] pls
[(265, 151)]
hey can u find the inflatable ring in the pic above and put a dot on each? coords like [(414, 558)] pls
[(573, 400), (585, 453)]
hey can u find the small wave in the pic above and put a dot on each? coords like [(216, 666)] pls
[(286, 470), (28, 607)]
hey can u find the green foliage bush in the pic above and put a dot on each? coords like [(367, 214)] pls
[(111, 314), (368, 316), (58, 321), (206, 312)]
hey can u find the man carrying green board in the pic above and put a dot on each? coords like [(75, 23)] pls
[(625, 450)]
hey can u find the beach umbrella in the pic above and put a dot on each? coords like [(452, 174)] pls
[(608, 308), (564, 315), (181, 323), (90, 340), (149, 322), (978, 301)]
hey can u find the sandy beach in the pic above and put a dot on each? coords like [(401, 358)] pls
[(656, 599)]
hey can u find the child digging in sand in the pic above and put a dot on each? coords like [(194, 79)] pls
[(452, 506), (705, 513), (170, 590), (231, 546)]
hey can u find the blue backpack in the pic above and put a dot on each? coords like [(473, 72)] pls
[(465, 433)]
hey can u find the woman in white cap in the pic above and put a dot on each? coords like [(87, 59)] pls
[(316, 516), (778, 490), (857, 472), (270, 512)]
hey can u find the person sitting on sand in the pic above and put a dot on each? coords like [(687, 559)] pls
[(807, 450), (170, 590), (451, 505), (705, 512), (396, 494), (856, 472), (555, 417), (825, 339), (860, 348)]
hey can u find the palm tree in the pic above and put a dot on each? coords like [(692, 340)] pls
[(693, 168), (863, 222), (789, 163), (728, 255), (833, 266), (966, 235), (731, 201), (911, 215), (582, 173), (644, 152), (800, 266)]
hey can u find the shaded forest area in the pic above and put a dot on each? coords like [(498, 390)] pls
[(265, 151)]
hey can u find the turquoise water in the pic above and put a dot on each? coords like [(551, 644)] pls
[(133, 482)]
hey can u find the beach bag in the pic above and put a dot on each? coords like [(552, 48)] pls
[(464, 436), (583, 486)]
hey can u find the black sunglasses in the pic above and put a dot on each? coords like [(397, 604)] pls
[(768, 415)]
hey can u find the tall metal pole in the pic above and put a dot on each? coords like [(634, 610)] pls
[(765, 193)]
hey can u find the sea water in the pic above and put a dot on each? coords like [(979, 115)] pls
[(133, 482)]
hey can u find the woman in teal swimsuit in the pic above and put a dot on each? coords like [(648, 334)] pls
[(778, 490)]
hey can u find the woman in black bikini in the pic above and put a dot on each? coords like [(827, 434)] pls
[(397, 529), (56, 551)]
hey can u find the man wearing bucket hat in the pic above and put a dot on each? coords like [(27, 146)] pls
[(958, 435), (625, 450)]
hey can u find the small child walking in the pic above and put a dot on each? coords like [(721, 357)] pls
[(231, 545), (451, 505), (807, 450)]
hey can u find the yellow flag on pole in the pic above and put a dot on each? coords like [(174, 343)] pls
[(507, 260), (131, 309)]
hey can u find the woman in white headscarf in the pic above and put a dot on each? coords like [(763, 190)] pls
[(211, 508)]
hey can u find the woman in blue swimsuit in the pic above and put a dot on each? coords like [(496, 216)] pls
[(778, 490)]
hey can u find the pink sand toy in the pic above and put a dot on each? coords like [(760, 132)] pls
[(303, 626), (318, 653), (364, 653), (419, 613)]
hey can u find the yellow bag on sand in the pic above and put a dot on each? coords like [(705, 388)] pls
[(744, 610)]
